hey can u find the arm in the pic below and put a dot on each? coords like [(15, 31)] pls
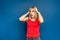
[(23, 17), (41, 20)]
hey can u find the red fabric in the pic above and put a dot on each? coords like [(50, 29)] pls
[(33, 28)]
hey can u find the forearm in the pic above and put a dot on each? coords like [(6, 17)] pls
[(40, 17), (23, 16)]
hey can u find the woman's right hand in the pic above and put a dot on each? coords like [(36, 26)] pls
[(28, 12)]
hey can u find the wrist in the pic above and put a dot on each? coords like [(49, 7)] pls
[(39, 13), (27, 13)]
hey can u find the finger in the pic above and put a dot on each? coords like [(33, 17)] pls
[(36, 8)]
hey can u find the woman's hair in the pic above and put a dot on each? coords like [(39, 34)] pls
[(36, 12), (32, 7)]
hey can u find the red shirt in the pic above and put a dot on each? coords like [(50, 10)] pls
[(33, 28)]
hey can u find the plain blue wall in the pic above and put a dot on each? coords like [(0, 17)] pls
[(12, 29)]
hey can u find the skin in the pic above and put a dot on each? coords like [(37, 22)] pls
[(32, 15)]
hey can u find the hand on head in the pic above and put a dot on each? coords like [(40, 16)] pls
[(36, 8)]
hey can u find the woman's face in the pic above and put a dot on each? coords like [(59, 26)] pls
[(32, 12)]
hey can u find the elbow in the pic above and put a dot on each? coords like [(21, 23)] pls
[(20, 19), (42, 21)]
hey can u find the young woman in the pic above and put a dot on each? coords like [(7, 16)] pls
[(33, 23)]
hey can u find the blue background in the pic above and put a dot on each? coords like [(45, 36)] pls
[(13, 29)]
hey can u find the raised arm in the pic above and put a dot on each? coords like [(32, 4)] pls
[(23, 17), (41, 20)]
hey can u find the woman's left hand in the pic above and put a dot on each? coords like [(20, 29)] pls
[(36, 9)]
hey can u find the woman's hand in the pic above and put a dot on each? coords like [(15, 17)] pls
[(27, 13), (36, 9)]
